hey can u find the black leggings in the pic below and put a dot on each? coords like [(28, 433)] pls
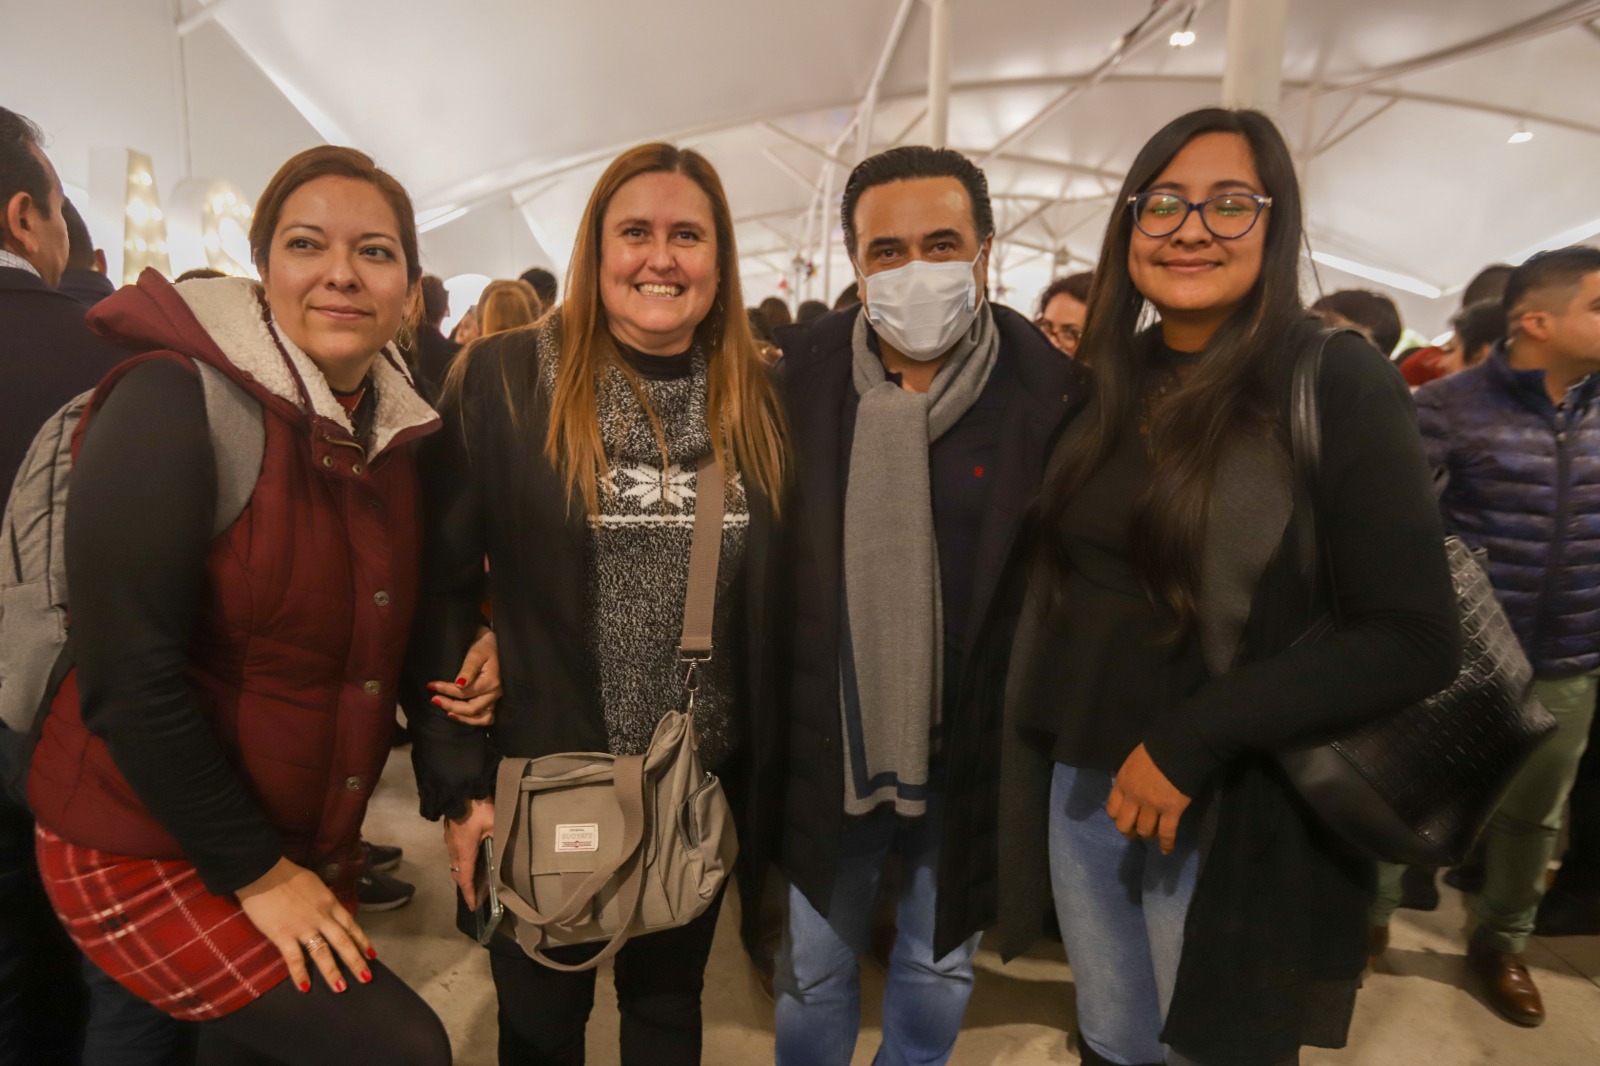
[(659, 976), (382, 1022)]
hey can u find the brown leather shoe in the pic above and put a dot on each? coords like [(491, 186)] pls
[(1506, 983), (1377, 943)]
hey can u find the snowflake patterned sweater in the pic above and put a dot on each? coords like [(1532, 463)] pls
[(638, 559)]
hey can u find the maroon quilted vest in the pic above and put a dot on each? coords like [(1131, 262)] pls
[(297, 655)]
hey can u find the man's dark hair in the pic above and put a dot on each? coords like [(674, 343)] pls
[(907, 164), (809, 310), (544, 283), (776, 311), (80, 246), (435, 300), (20, 168), (1488, 284), (1560, 268), (1074, 285), (848, 296), (1479, 324), (1372, 311)]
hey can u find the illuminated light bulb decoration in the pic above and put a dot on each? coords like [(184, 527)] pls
[(1185, 37), (1522, 134), (144, 224), (211, 226)]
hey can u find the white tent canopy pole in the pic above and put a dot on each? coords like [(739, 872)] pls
[(1254, 74)]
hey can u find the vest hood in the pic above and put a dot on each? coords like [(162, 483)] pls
[(220, 321)]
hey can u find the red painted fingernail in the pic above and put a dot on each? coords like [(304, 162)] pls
[(460, 681), (372, 953), (437, 702), (366, 976), (454, 718), (305, 986), (341, 986)]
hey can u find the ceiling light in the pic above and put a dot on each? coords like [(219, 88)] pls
[(1184, 37), (1522, 135)]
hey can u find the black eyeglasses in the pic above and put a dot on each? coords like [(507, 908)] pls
[(1065, 334), (1227, 217)]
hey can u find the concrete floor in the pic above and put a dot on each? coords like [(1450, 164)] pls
[(1417, 1009)]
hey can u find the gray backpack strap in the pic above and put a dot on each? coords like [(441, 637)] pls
[(33, 570), (238, 438)]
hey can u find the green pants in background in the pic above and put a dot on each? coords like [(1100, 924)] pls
[(1520, 840)]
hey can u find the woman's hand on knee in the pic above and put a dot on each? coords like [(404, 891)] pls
[(307, 924), (461, 840), (1144, 803)]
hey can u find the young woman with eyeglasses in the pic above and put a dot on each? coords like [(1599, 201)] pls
[(1209, 918)]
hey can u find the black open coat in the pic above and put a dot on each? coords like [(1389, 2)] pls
[(802, 785), (489, 492)]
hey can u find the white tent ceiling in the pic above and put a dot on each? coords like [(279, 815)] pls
[(1399, 111)]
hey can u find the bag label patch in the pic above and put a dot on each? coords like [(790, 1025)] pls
[(571, 838)]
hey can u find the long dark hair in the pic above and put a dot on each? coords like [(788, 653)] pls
[(1229, 391)]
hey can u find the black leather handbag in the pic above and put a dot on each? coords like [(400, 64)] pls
[(1416, 786)]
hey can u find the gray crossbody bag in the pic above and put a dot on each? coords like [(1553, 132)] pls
[(595, 847)]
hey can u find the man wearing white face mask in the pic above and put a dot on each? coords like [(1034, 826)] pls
[(920, 422)]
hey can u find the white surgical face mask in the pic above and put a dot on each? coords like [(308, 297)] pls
[(922, 308)]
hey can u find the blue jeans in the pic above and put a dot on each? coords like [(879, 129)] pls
[(1122, 906), (817, 979)]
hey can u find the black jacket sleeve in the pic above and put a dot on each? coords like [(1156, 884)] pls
[(453, 762), (138, 530), (1399, 640)]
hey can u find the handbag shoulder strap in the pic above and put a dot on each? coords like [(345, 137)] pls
[(1305, 448), (705, 554)]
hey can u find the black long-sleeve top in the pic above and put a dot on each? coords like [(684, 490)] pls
[(1116, 684), (144, 491)]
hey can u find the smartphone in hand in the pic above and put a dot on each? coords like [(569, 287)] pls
[(490, 910)]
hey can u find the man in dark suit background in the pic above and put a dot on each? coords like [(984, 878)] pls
[(434, 351), (85, 277), (47, 356)]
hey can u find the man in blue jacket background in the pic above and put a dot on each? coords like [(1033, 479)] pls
[(1519, 437)]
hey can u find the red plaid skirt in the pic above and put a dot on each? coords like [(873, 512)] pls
[(151, 924)]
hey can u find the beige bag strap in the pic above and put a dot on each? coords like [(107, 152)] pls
[(705, 554)]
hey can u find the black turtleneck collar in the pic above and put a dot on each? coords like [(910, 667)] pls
[(657, 367)]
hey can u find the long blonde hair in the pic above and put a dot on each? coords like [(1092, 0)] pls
[(742, 410), (507, 305)]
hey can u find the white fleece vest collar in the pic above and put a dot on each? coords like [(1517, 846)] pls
[(229, 310)]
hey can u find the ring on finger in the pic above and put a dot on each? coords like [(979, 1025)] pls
[(315, 943)]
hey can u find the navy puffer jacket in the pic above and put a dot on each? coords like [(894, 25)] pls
[(1525, 486)]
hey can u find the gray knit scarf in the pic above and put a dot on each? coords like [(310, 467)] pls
[(892, 659)]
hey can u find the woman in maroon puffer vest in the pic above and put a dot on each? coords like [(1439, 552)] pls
[(202, 775)]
